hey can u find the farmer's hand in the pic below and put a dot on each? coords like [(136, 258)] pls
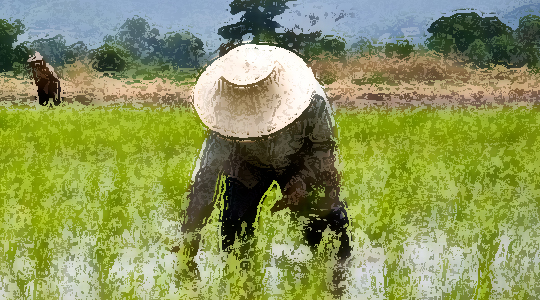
[(186, 257)]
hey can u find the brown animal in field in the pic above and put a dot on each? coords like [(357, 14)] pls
[(46, 80)]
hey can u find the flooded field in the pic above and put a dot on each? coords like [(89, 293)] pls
[(443, 204)]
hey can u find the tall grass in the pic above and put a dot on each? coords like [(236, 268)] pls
[(443, 203)]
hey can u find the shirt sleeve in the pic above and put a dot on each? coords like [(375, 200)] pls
[(321, 124), (207, 172)]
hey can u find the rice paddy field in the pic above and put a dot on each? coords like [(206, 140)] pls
[(443, 204)]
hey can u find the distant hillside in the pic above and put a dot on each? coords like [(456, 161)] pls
[(511, 18)]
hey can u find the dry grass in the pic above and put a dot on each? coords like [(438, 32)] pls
[(423, 79), (81, 84)]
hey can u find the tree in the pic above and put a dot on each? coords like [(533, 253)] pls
[(442, 43), (20, 56), (528, 31), (8, 36), (327, 47), (528, 36), (109, 58), (182, 49), (53, 49), (136, 36), (21, 53), (258, 23), (506, 51), (362, 46), (401, 49), (478, 53), (74, 52), (458, 33), (257, 20), (465, 28), (136, 42)]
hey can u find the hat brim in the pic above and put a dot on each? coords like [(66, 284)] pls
[(237, 97)]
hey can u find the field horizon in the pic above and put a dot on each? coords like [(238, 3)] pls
[(424, 79)]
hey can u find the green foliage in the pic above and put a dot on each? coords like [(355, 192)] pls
[(75, 52), (257, 19), (292, 40), (182, 49), (528, 31), (528, 35), (258, 23), (138, 39), (463, 29), (401, 49), (363, 47), (327, 47), (21, 53), (502, 48), (486, 40), (8, 36), (110, 58), (145, 45), (479, 53), (52, 49)]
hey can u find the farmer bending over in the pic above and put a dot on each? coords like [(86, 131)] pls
[(46, 80), (269, 121)]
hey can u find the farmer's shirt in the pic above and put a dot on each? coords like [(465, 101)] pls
[(45, 78), (313, 128), (310, 137)]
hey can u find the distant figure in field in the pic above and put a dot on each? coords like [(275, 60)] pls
[(46, 80)]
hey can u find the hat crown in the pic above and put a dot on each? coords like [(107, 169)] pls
[(248, 66), (35, 57), (253, 91)]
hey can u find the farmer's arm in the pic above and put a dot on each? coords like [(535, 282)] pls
[(34, 74), (209, 166), (40, 79), (207, 171), (54, 82), (323, 157), (321, 127), (54, 87)]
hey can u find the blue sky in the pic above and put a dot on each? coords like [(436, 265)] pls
[(91, 20)]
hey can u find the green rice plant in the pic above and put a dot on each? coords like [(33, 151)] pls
[(442, 203)]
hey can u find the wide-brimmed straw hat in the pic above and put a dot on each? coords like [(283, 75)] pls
[(253, 91), (35, 58)]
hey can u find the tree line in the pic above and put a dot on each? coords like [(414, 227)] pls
[(134, 43), (487, 40), (470, 38), (480, 40)]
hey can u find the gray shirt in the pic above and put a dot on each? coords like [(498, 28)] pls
[(315, 124), (311, 136)]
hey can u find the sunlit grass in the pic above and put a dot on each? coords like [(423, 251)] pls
[(443, 203)]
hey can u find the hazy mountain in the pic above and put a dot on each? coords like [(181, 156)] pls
[(514, 14)]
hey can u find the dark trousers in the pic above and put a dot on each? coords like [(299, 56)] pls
[(310, 185), (43, 97)]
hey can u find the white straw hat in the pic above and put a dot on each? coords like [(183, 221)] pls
[(253, 91), (35, 57)]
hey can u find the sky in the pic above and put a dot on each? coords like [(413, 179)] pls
[(90, 20)]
